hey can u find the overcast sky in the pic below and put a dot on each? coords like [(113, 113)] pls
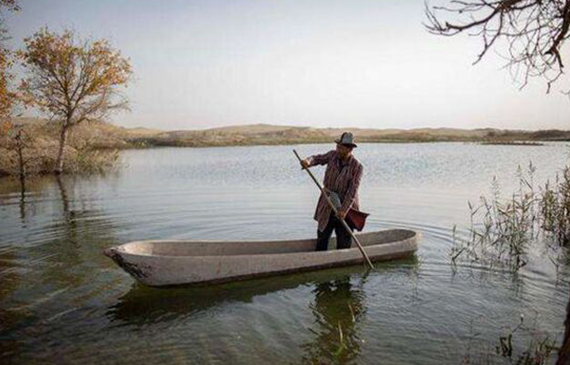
[(357, 63)]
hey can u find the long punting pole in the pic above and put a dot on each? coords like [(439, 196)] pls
[(335, 212)]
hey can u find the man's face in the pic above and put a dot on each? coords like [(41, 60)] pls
[(343, 151)]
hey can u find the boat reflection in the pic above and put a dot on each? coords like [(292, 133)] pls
[(142, 305), (336, 298)]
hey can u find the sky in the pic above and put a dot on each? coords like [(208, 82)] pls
[(352, 63)]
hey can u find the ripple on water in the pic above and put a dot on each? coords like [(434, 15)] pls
[(61, 300)]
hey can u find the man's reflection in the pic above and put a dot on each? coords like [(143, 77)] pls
[(337, 307)]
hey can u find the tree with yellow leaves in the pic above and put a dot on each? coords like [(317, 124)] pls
[(7, 96), (72, 81)]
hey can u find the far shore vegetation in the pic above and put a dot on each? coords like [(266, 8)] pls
[(265, 134), (93, 146)]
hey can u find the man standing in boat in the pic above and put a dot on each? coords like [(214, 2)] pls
[(341, 182)]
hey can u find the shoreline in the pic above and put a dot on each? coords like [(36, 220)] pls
[(146, 144), (93, 146)]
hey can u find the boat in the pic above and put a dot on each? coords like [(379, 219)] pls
[(177, 262)]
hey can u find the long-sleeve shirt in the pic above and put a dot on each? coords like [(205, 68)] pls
[(342, 177)]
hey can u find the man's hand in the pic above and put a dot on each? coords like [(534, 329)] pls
[(305, 163), (341, 214)]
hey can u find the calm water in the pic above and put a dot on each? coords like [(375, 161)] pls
[(62, 300)]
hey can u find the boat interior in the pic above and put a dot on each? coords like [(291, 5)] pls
[(226, 248)]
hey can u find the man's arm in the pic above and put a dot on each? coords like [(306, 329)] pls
[(351, 193), (319, 159)]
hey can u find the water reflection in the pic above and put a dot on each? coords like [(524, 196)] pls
[(338, 307), (64, 199), (11, 282), (62, 301), (23, 202), (49, 270), (14, 193), (144, 306)]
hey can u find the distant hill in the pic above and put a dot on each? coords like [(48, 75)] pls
[(105, 135), (265, 134)]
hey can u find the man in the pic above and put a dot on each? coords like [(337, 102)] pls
[(342, 177)]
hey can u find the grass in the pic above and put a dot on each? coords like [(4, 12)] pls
[(502, 229)]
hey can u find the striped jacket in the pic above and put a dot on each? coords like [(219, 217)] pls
[(344, 179)]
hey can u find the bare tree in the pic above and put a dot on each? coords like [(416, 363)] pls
[(72, 80), (533, 32)]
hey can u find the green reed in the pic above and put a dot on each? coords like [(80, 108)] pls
[(555, 209), (502, 229)]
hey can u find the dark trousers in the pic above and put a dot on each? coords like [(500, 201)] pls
[(343, 238)]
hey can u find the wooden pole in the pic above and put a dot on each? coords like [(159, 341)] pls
[(367, 259)]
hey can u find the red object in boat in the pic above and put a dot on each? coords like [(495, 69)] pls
[(356, 219)]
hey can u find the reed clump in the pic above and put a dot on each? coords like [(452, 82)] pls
[(555, 208), (502, 230), (32, 150)]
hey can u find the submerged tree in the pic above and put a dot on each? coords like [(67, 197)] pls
[(72, 80), (533, 32)]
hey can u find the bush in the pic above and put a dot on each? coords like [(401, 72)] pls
[(40, 148)]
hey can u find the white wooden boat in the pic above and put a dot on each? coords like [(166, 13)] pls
[(174, 262)]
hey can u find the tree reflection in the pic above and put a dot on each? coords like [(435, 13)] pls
[(73, 251), (53, 265), (67, 214), (338, 307), (13, 268), (23, 202), (11, 189)]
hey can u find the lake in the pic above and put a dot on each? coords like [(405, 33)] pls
[(62, 300)]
